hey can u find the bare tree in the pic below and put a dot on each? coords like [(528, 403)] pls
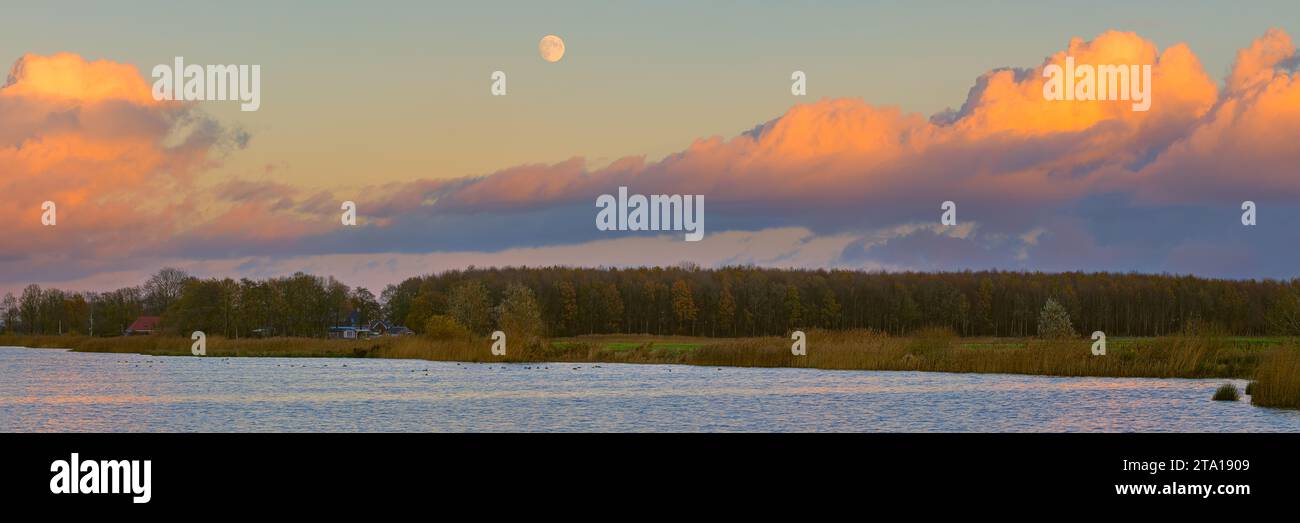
[(164, 288)]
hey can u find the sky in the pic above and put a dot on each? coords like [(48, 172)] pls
[(388, 104)]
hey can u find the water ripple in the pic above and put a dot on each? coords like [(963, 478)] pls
[(54, 390)]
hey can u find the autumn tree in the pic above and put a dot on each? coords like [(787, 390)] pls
[(9, 309), (443, 328), (363, 301), (520, 317), (684, 310), (196, 308), (397, 299), (1284, 315), (793, 308), (470, 305), (428, 301), (611, 308), (984, 307), (726, 308), (568, 295), (29, 309), (830, 309)]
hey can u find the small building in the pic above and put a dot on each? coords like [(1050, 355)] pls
[(382, 328), (143, 325), (343, 332), (351, 329)]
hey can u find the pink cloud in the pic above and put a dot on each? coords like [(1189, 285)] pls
[(89, 136)]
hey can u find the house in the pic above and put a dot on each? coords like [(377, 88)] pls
[(382, 328), (351, 329), (343, 332), (143, 325)]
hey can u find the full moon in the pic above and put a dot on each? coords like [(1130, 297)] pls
[(552, 48)]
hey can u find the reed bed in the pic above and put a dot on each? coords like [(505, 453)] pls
[(1165, 357), (1227, 392), (1277, 381)]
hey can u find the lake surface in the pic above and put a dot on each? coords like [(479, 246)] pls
[(56, 390)]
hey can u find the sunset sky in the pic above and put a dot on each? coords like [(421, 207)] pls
[(909, 104)]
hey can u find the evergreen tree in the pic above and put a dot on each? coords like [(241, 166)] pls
[(1054, 321)]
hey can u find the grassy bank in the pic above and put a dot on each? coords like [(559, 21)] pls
[(1273, 363), (220, 347)]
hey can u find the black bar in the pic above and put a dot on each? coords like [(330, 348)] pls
[(358, 470)]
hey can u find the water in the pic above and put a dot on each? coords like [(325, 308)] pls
[(55, 390)]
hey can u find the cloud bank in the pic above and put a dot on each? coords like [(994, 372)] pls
[(1039, 184)]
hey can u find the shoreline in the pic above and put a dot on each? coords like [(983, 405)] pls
[(603, 362), (1169, 356), (1195, 357)]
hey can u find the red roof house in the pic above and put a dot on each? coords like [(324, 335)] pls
[(143, 325)]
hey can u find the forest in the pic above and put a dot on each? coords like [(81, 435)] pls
[(684, 299)]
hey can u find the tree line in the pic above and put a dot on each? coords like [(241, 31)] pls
[(298, 305), (686, 300), (752, 301)]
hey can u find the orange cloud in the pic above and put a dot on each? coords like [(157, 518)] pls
[(1258, 64), (1245, 148), (1012, 101), (69, 79), (89, 135)]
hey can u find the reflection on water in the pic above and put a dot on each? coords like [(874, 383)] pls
[(54, 390)]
